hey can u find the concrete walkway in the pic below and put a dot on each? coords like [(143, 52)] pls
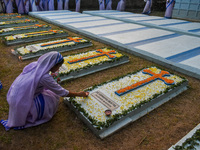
[(170, 42)]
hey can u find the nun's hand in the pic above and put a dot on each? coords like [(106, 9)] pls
[(83, 94)]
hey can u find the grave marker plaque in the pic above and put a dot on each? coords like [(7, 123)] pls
[(105, 100)]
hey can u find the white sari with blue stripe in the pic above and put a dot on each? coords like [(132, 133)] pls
[(169, 9), (39, 105)]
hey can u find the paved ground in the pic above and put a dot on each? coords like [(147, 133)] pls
[(170, 42)]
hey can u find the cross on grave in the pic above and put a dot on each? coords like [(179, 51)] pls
[(74, 39), (70, 39), (27, 20), (40, 32), (22, 27), (101, 53), (19, 16), (154, 76)]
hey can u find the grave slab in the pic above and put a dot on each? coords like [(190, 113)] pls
[(9, 18), (24, 29), (128, 98), (16, 23), (60, 45), (9, 14), (82, 64), (33, 36)]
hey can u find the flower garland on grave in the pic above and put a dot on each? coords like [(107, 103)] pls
[(32, 34), (129, 101), (76, 62), (12, 17), (17, 22), (5, 30), (9, 14), (47, 46), (190, 143)]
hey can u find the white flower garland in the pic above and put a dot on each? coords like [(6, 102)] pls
[(22, 28), (16, 22), (67, 67), (31, 34), (96, 110), (33, 48)]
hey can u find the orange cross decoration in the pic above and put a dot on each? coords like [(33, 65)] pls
[(41, 32), (39, 25), (69, 39), (154, 76), (74, 39), (22, 27), (27, 20), (101, 53)]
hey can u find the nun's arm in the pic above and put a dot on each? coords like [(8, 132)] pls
[(49, 83)]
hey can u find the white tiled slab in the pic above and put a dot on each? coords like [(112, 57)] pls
[(165, 21), (79, 19), (194, 61), (95, 23), (59, 16), (112, 13), (130, 15), (144, 18), (187, 26), (138, 35), (172, 46), (113, 28), (54, 11)]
